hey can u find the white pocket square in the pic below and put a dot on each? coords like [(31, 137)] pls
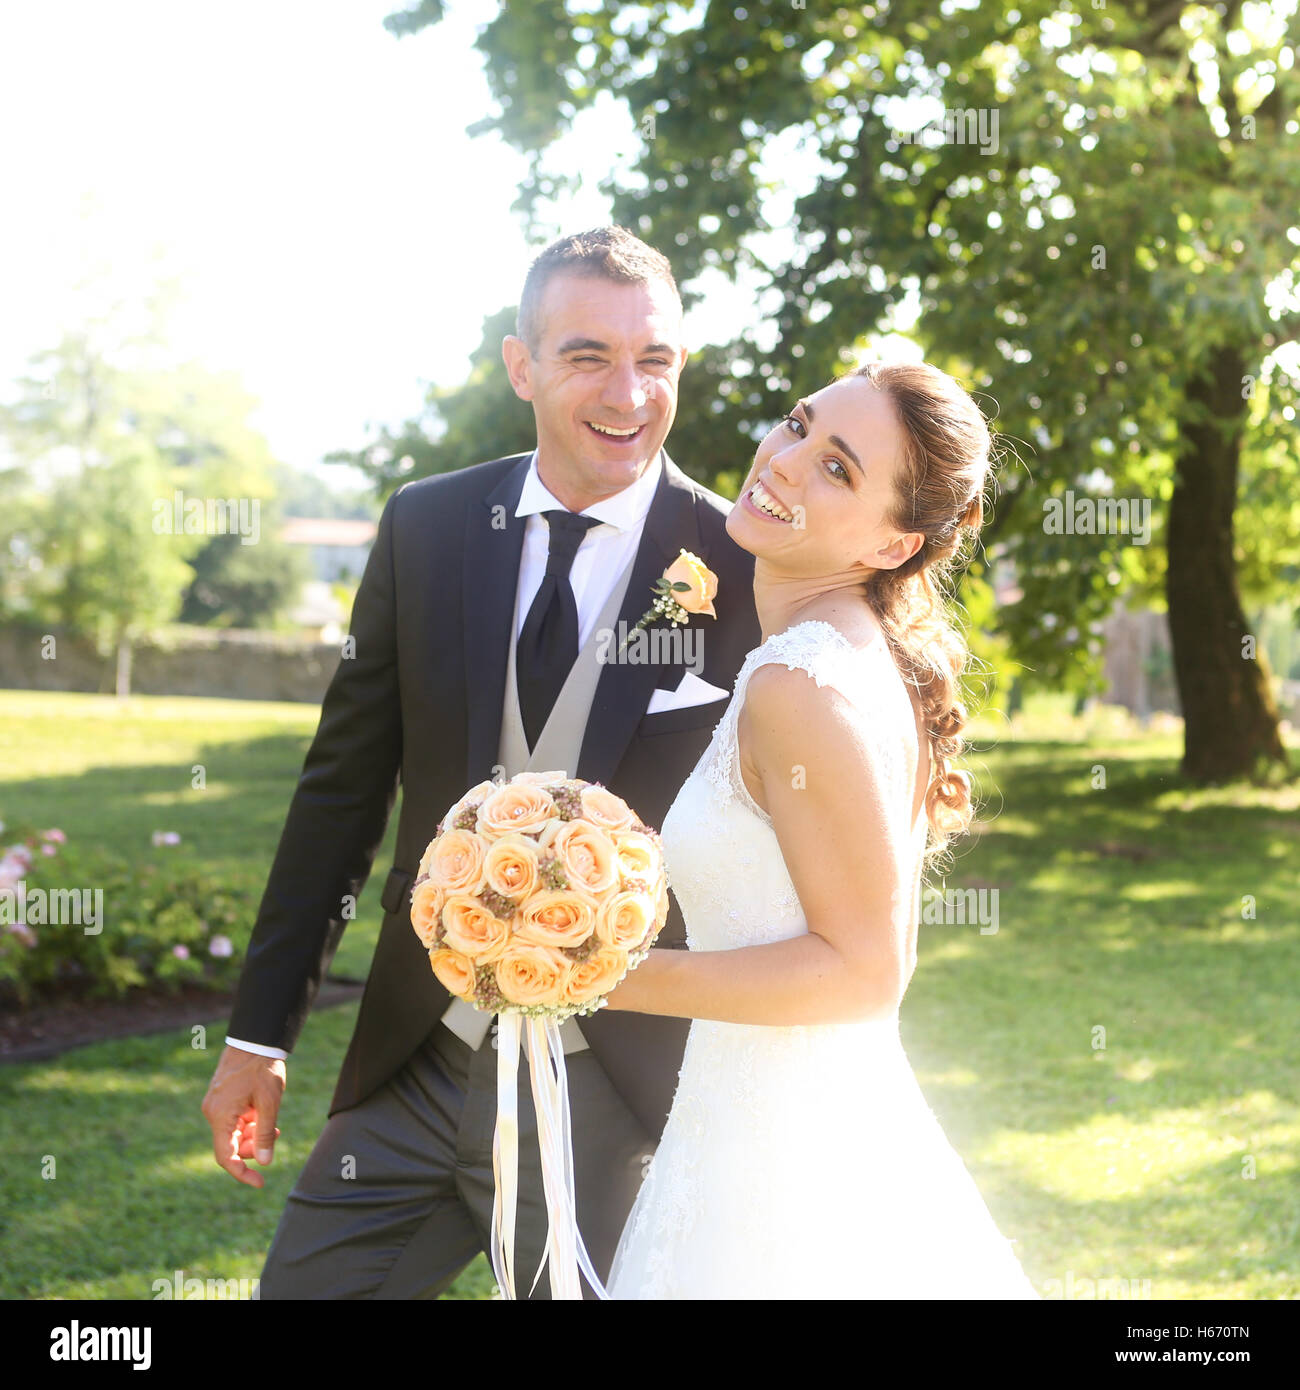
[(691, 691)]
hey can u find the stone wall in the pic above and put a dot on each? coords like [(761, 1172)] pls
[(220, 663)]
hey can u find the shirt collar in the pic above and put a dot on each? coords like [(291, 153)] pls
[(623, 510)]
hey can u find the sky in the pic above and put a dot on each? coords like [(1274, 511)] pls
[(337, 236)]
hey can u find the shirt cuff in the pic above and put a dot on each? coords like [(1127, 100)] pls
[(260, 1048)]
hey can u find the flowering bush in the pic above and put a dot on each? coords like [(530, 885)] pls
[(157, 921)]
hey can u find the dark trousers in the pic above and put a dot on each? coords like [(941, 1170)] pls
[(396, 1196)]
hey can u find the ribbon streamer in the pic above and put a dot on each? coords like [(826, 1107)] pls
[(564, 1250)]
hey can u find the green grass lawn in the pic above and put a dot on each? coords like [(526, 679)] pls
[(1115, 1063)]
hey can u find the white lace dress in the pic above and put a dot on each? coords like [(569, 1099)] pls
[(798, 1162)]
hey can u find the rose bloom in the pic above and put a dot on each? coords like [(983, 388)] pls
[(587, 854), (516, 806), (557, 917), (426, 911), (540, 779), (638, 855), (602, 808), (472, 930), (456, 862), (455, 972), (478, 793), (626, 920), (596, 975), (530, 974), (542, 838), (690, 569), (510, 866)]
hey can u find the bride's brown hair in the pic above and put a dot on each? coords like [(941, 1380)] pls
[(939, 493)]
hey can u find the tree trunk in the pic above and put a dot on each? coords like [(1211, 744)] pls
[(123, 667), (1229, 715)]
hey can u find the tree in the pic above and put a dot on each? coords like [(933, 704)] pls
[(106, 430), (118, 580), (1089, 205)]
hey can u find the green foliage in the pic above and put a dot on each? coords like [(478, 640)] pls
[(112, 577), (1076, 267), (247, 586), (106, 429)]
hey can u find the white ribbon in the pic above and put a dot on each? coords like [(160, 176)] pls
[(564, 1250)]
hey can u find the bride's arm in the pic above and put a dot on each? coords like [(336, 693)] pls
[(847, 861)]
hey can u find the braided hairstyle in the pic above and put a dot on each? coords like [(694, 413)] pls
[(939, 493)]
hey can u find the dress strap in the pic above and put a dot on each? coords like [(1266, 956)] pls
[(813, 646)]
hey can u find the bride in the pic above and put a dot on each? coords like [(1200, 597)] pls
[(800, 1159)]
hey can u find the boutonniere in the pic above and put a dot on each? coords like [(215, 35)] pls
[(686, 587)]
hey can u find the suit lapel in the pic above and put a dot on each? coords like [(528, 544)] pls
[(489, 584), (494, 539), (624, 688)]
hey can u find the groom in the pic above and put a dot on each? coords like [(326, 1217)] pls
[(482, 632)]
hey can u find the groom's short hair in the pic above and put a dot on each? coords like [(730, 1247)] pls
[(610, 252)]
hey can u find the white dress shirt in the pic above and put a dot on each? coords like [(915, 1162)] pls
[(601, 558)]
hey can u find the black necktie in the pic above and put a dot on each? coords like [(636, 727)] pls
[(548, 641)]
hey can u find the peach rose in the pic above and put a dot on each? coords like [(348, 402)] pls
[(557, 917), (426, 911), (596, 975), (626, 920), (455, 972), (472, 930), (529, 974), (602, 808), (638, 855), (690, 569), (516, 806), (540, 779), (478, 793), (510, 866), (661, 903), (587, 855), (456, 862)]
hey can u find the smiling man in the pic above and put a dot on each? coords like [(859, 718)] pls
[(598, 356), (477, 653)]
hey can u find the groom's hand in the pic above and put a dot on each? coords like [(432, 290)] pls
[(241, 1105)]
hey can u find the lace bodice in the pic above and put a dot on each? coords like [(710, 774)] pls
[(718, 840)]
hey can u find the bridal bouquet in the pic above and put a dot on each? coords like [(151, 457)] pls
[(534, 899)]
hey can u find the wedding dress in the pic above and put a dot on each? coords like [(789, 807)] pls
[(798, 1162)]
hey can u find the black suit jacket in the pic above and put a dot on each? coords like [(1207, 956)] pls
[(420, 699)]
